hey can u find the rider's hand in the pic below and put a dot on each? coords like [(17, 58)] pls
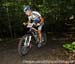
[(33, 23), (24, 23), (38, 24)]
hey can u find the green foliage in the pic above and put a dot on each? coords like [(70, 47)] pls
[(69, 47), (55, 12)]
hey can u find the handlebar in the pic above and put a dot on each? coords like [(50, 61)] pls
[(31, 26)]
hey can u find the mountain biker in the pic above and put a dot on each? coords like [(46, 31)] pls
[(36, 18)]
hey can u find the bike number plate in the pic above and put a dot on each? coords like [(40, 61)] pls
[(29, 25)]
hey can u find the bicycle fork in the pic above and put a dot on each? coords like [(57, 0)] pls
[(27, 40)]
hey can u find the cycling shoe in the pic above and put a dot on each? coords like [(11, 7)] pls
[(39, 45)]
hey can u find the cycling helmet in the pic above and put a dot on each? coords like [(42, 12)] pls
[(26, 8)]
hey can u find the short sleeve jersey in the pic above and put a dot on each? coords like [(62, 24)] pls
[(34, 15)]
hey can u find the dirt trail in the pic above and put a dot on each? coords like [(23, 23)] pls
[(52, 51)]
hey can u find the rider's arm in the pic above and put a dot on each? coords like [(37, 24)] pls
[(41, 20), (29, 19)]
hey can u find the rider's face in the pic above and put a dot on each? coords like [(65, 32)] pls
[(28, 12)]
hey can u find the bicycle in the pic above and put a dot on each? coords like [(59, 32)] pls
[(25, 43)]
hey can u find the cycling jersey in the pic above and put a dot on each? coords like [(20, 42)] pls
[(35, 17)]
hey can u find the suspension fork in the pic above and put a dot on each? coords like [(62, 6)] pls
[(27, 40), (30, 37)]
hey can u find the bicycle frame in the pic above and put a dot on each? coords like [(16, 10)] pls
[(32, 32)]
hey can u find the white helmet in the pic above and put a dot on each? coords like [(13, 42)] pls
[(26, 8)]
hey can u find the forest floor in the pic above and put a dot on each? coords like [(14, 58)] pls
[(52, 52)]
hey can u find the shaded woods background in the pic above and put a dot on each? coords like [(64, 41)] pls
[(59, 16)]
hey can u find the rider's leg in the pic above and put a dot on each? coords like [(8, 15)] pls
[(40, 35), (40, 39)]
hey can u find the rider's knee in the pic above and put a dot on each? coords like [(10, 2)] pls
[(39, 31)]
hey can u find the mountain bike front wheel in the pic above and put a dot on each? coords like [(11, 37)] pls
[(24, 45)]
